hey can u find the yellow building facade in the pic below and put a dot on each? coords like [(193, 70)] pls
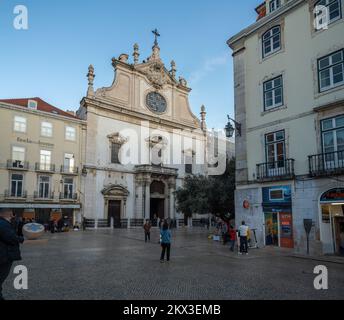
[(40, 160)]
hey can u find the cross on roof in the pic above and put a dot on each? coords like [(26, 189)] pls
[(156, 34)]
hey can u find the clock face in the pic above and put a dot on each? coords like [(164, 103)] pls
[(156, 102)]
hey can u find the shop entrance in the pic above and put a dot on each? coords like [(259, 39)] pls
[(279, 229), (339, 234), (332, 221), (271, 229)]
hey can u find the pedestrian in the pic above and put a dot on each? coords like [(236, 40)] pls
[(224, 231), (20, 226), (147, 228), (341, 237), (165, 242), (243, 234), (9, 246), (232, 237)]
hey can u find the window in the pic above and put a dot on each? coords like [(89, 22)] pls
[(115, 148), (17, 185), (18, 154), (272, 41), (19, 124), (331, 71), (273, 93), (45, 160), (32, 104), (46, 129), (333, 10), (69, 162), (274, 5), (70, 133), (275, 149), (43, 187), (188, 164), (68, 188), (333, 140)]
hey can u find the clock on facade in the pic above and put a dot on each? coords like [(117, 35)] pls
[(156, 102)]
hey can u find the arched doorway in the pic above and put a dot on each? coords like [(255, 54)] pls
[(157, 201), (115, 197), (332, 220)]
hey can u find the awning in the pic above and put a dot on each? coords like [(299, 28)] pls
[(39, 206)]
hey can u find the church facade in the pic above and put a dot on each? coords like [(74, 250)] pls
[(142, 140)]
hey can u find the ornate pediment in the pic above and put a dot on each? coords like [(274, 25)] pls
[(117, 139), (156, 73), (115, 191)]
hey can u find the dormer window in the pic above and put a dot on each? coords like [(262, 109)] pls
[(274, 5), (32, 104), (271, 41)]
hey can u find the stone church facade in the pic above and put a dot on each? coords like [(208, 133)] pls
[(142, 140)]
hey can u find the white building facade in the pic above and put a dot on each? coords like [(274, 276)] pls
[(142, 140), (289, 100)]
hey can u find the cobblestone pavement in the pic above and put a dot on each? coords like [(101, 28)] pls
[(117, 264)]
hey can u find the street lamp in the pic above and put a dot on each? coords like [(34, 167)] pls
[(230, 129)]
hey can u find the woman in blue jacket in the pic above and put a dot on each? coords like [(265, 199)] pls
[(165, 234)]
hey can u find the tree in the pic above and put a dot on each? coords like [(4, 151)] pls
[(203, 195)]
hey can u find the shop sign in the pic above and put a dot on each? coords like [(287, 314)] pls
[(333, 195), (277, 195), (39, 142)]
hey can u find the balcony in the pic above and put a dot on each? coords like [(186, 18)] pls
[(69, 170), (15, 195), (17, 165), (275, 171), (326, 164), (43, 197), (68, 197), (45, 167)]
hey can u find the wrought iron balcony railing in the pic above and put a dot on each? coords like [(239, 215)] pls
[(69, 170), (68, 196), (17, 194), (17, 165), (330, 163), (44, 167), (43, 196), (277, 170)]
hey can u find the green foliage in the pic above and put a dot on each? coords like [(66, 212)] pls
[(203, 195)]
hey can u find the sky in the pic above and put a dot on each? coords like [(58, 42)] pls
[(50, 59)]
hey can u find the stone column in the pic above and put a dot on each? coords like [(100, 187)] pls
[(147, 200)]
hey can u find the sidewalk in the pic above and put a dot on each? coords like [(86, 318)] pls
[(291, 253)]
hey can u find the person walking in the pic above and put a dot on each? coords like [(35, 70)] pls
[(232, 237), (243, 234), (9, 246), (166, 236), (224, 231), (147, 228)]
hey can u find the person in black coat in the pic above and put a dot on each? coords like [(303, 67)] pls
[(9, 246)]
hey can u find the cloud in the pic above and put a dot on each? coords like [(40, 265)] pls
[(209, 66)]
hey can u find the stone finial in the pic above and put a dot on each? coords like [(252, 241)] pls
[(90, 77), (203, 118), (123, 58), (136, 53), (183, 82), (173, 70)]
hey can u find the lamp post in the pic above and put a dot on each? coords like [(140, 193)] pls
[(230, 129)]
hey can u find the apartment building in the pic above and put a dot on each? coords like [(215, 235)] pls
[(40, 160), (289, 100)]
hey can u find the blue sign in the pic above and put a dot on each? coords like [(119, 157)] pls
[(277, 195)]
